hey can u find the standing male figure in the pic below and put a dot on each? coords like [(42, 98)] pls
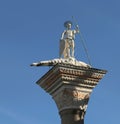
[(67, 40)]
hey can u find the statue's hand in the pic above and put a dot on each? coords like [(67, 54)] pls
[(77, 26)]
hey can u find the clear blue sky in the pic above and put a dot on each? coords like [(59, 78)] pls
[(30, 31)]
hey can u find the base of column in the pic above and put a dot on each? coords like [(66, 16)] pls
[(72, 116)]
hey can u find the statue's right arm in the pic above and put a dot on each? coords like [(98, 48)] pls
[(62, 35), (77, 29)]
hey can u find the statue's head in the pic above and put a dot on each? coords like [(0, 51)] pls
[(68, 24)]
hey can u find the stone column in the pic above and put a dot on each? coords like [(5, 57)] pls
[(71, 86)]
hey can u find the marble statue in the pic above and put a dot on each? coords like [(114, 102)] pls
[(67, 41), (66, 54)]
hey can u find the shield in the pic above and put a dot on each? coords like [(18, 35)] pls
[(62, 47)]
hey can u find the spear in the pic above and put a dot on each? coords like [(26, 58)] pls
[(82, 40)]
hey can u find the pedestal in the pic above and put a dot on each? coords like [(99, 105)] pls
[(70, 86)]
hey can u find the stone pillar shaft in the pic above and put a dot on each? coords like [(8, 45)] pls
[(71, 86), (71, 116)]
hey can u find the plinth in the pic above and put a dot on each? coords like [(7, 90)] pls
[(70, 86)]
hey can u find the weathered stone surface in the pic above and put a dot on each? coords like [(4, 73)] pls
[(53, 62), (71, 86)]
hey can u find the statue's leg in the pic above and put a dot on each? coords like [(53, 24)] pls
[(68, 52), (68, 48), (72, 48)]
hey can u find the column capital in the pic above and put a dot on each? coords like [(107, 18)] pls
[(66, 74), (71, 86)]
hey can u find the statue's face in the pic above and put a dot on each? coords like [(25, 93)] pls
[(69, 26)]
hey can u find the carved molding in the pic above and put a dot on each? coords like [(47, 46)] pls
[(87, 73), (83, 77), (69, 98)]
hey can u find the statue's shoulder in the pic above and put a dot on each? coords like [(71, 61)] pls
[(75, 31), (64, 31)]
